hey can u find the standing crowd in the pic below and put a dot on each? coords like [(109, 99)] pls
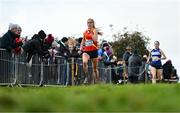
[(131, 67)]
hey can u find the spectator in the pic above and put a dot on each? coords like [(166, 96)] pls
[(49, 45), (63, 49), (35, 46), (8, 40), (100, 54), (18, 40), (120, 71), (48, 42), (127, 54), (73, 48), (167, 70), (134, 63), (114, 70), (78, 44), (107, 54), (101, 51)]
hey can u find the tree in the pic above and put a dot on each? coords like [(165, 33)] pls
[(134, 39)]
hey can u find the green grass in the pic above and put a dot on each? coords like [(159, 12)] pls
[(99, 98)]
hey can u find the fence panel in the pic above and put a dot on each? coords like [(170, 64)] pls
[(13, 69), (7, 67)]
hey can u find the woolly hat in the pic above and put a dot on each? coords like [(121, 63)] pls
[(64, 39), (42, 34), (105, 44), (80, 39), (12, 26), (49, 39)]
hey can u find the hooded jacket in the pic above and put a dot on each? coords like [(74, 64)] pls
[(63, 50), (34, 46), (134, 63)]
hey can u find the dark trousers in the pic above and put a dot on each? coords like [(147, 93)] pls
[(133, 79)]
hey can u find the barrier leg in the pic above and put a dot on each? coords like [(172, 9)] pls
[(110, 80), (72, 71), (41, 79), (58, 70), (67, 74)]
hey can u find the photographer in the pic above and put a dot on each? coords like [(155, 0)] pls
[(107, 54), (63, 49), (35, 46)]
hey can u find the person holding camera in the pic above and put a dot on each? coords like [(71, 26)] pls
[(35, 46)]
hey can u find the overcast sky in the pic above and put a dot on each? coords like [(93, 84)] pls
[(157, 19)]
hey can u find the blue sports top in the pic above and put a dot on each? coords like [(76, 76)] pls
[(100, 52), (156, 57)]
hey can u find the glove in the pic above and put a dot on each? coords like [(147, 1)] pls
[(79, 52), (65, 56), (47, 55)]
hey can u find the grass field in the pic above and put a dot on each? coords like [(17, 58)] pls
[(99, 98)]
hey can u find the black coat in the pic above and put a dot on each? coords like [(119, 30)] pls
[(8, 41), (74, 53), (63, 50), (167, 70), (126, 56), (134, 64), (34, 46)]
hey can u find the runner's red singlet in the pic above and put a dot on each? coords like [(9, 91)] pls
[(90, 45)]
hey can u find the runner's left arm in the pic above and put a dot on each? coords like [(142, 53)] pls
[(163, 55)]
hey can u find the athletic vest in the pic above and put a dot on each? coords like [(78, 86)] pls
[(156, 55), (90, 45)]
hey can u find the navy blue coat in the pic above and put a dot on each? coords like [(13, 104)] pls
[(8, 41)]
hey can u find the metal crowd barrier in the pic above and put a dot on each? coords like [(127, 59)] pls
[(63, 72), (14, 70), (7, 71)]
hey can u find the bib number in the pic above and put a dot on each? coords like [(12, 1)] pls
[(155, 58), (89, 43)]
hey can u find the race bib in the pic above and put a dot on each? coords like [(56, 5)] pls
[(155, 58), (89, 43)]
